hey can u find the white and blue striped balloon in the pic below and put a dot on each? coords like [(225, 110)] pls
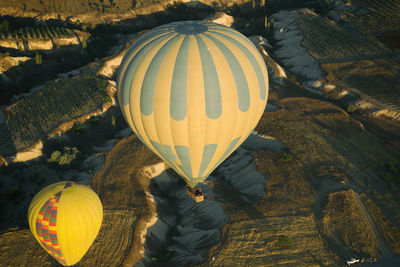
[(192, 91)]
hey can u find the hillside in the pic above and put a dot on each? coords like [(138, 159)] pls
[(315, 184), (284, 226)]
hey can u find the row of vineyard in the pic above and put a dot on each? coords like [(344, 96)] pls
[(384, 89), (329, 42), (61, 101), (384, 16), (45, 33), (78, 6)]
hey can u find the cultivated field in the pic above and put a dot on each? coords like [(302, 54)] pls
[(382, 16), (331, 42), (27, 33), (61, 101), (377, 79)]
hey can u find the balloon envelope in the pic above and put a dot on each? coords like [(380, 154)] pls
[(65, 218), (192, 91)]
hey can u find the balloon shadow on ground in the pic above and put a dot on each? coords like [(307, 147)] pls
[(184, 230)]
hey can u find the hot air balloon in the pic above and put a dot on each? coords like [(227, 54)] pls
[(192, 91), (65, 218)]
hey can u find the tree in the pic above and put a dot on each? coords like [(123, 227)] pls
[(31, 33), (4, 26), (84, 44), (38, 58)]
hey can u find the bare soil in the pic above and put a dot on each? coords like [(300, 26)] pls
[(331, 151)]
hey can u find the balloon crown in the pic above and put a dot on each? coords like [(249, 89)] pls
[(191, 28)]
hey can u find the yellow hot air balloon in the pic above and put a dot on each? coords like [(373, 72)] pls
[(65, 218), (192, 91)]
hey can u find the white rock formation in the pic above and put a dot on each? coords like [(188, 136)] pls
[(221, 18), (291, 52)]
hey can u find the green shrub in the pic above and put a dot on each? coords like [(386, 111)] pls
[(285, 241), (107, 98), (287, 157), (351, 108), (388, 196), (386, 176), (68, 155), (55, 155), (293, 78), (79, 128), (94, 121), (88, 77), (390, 167), (394, 188)]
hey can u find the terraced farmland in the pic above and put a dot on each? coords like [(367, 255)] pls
[(34, 117), (330, 42), (385, 89), (384, 16), (36, 33), (378, 80)]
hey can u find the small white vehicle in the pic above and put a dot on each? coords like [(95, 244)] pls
[(352, 261)]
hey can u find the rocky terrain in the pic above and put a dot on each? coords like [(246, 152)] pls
[(315, 184)]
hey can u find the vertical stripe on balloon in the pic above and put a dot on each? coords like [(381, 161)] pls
[(212, 90), (184, 157), (127, 76), (178, 101), (149, 81), (251, 58), (242, 88), (208, 154), (146, 37), (166, 152), (227, 152)]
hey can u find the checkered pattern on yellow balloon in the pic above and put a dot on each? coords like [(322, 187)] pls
[(46, 227)]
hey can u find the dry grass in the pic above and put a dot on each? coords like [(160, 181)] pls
[(116, 234), (258, 242), (344, 219), (119, 184), (20, 248), (122, 188), (390, 232)]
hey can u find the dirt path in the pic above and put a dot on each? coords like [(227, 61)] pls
[(329, 186), (385, 251)]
